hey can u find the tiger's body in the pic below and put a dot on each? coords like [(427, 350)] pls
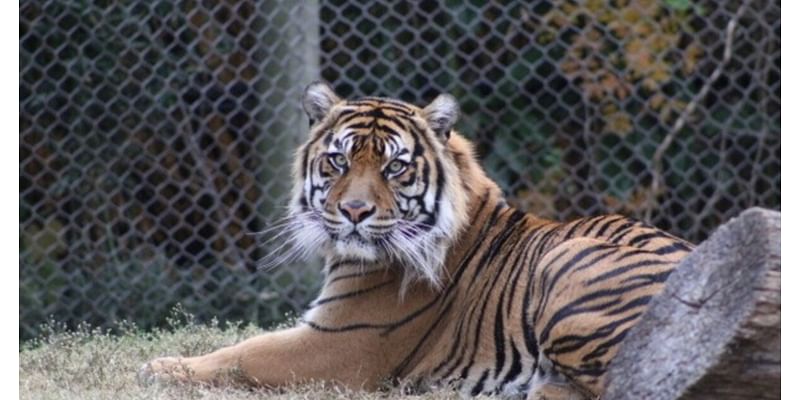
[(432, 278)]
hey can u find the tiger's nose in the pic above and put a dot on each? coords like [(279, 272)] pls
[(356, 210)]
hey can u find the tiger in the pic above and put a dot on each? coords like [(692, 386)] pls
[(431, 278)]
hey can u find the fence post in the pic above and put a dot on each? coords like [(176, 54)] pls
[(292, 43)]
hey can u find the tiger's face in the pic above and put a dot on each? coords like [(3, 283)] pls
[(375, 182)]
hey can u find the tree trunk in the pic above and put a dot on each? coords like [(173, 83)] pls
[(715, 331)]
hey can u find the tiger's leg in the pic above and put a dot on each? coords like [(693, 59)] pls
[(280, 358), (588, 294)]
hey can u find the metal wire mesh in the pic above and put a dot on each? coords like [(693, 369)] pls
[(155, 137)]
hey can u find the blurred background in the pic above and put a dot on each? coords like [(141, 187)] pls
[(156, 136)]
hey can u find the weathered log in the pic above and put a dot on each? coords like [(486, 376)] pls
[(715, 331)]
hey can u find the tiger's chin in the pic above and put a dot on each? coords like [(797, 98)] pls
[(356, 249)]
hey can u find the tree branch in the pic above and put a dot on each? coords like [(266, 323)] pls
[(656, 164)]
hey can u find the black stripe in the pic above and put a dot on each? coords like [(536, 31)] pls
[(574, 227), (528, 334), (346, 120), (418, 131), (328, 138), (652, 278), (573, 307), (345, 328), (348, 295), (572, 262), (593, 224), (410, 317), (440, 183), (306, 167), (631, 252), (499, 340), (371, 101), (403, 364), (640, 301), (604, 347), (516, 365), (620, 232), (478, 388), (608, 225), (387, 328), (543, 245), (388, 129), (570, 343), (623, 269), (566, 343), (355, 275), (497, 243), (523, 263), (593, 262), (672, 248), (645, 237), (338, 264)]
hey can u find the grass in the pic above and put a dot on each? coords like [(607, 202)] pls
[(88, 363)]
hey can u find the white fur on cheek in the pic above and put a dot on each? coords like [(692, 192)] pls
[(429, 249), (311, 235)]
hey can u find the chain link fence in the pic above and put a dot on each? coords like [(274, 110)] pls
[(156, 136)]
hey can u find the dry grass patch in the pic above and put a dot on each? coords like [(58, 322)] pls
[(94, 364)]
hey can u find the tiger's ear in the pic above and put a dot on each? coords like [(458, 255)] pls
[(318, 100), (442, 114)]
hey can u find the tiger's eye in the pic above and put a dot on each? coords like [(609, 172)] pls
[(396, 167), (339, 160)]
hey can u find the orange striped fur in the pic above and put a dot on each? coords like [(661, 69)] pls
[(432, 278)]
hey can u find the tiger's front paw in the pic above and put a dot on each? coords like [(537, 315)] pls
[(164, 369)]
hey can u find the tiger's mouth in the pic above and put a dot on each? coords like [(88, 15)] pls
[(391, 243), (358, 238), (372, 245), (356, 234)]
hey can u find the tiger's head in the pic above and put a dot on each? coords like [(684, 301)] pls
[(376, 181)]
